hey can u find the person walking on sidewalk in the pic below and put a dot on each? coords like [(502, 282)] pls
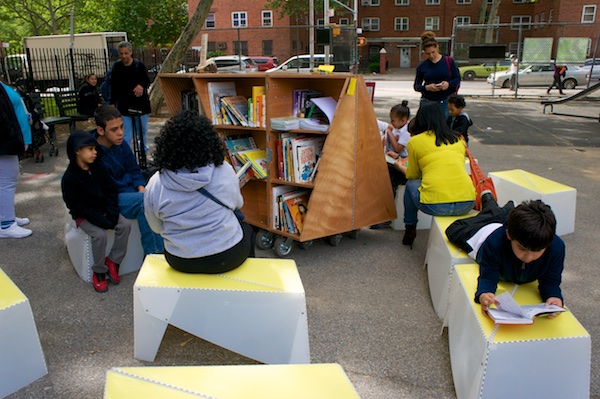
[(559, 72)]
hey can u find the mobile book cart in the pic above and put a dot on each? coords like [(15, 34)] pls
[(351, 188)]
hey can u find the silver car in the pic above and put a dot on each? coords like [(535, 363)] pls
[(540, 75), (234, 64)]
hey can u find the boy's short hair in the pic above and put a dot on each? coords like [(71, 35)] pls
[(532, 224), (457, 100), (104, 114)]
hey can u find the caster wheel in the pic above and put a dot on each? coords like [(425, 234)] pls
[(305, 244), (353, 234), (335, 240), (263, 239), (283, 246)]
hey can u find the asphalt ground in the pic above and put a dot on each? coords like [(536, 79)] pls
[(368, 301)]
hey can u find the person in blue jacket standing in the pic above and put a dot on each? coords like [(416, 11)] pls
[(437, 75)]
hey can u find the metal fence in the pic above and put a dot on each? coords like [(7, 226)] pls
[(536, 46)]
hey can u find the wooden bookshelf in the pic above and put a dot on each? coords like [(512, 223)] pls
[(352, 188)]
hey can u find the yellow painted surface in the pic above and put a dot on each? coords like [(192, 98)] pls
[(532, 182), (314, 381), (255, 274), (564, 326), (10, 294), (443, 222)]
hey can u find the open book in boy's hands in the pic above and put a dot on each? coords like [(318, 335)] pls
[(508, 311)]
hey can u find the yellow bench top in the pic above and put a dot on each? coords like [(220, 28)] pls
[(564, 326), (255, 274), (443, 222), (10, 294), (314, 381), (532, 182)]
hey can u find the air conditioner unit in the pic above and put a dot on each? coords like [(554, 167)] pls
[(222, 45), (365, 3)]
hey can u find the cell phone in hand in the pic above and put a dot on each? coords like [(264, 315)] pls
[(438, 85)]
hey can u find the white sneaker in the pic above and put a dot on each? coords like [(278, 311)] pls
[(22, 221), (15, 231)]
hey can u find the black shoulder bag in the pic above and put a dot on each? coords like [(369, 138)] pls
[(237, 212)]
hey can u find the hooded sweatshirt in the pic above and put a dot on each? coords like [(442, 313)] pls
[(193, 225), (89, 194)]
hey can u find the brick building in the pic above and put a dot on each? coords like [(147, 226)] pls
[(395, 25)]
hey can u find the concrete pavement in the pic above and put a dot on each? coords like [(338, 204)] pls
[(368, 300)]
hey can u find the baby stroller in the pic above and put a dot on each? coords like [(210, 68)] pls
[(40, 132)]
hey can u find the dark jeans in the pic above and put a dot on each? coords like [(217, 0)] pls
[(217, 263), (558, 83)]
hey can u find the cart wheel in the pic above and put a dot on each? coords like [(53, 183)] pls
[(353, 234), (305, 244), (335, 240), (264, 239), (283, 246)]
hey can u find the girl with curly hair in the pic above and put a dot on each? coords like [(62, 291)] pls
[(201, 235)]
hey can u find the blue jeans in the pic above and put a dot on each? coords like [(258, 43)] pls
[(128, 129), (443, 106), (412, 205), (131, 205)]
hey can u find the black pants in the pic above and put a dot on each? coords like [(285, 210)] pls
[(558, 83), (462, 230), (217, 263)]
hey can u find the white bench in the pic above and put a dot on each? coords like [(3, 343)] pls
[(257, 310), (549, 359), (440, 259), (21, 356), (79, 246), (424, 220), (314, 381), (518, 185)]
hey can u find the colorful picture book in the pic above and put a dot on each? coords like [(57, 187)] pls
[(289, 208), (297, 156), (236, 144), (236, 108), (258, 107), (216, 91), (258, 159)]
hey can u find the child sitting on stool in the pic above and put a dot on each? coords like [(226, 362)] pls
[(518, 245), (91, 197)]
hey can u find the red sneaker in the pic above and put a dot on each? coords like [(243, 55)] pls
[(113, 271), (99, 282)]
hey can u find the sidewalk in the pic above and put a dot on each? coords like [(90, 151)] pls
[(368, 301)]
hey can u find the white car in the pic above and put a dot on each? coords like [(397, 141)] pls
[(301, 63), (540, 75), (234, 64)]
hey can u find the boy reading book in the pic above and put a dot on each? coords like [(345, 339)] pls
[(517, 245)]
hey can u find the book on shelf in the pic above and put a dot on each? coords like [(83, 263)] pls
[(189, 101), (327, 105), (298, 156), (237, 109), (217, 90), (313, 124), (285, 123), (277, 192), (508, 311), (237, 144), (258, 159), (300, 101), (245, 174), (297, 206), (287, 202), (258, 106)]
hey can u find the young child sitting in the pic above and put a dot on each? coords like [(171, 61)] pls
[(458, 120), (518, 245), (91, 197)]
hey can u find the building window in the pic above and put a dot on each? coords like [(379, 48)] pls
[(588, 15), (267, 47), (239, 19), (536, 21), (463, 21), (402, 2), (432, 2), (344, 21), (432, 23), (209, 23), (401, 23), (370, 24), (521, 1), (523, 21), (212, 46), (267, 18), (370, 3), (463, 1), (320, 22), (240, 47), (542, 19), (550, 14)]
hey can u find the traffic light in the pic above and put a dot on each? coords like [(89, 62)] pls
[(361, 41)]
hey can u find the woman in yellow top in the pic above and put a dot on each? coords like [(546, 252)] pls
[(438, 183)]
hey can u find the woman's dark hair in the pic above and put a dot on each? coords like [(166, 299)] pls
[(430, 117), (401, 110), (188, 141), (428, 39), (532, 224), (457, 100)]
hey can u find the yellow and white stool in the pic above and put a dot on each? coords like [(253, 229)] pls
[(257, 310), (424, 220), (21, 356), (513, 361), (518, 185), (79, 248), (314, 381), (441, 258)]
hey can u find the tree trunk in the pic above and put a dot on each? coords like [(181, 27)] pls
[(177, 54), (489, 34), (481, 21)]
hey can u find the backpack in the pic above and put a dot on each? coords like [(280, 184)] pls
[(449, 62)]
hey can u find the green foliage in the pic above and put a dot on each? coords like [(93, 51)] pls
[(218, 53), (374, 67)]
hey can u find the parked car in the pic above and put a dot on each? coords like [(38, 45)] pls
[(265, 63), (471, 72), (540, 75), (234, 64), (301, 63), (593, 74)]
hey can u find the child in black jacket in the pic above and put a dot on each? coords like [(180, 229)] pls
[(459, 120), (92, 199)]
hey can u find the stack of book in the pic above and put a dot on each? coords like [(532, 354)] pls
[(236, 110), (229, 108), (289, 208), (298, 157), (258, 160), (285, 123)]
